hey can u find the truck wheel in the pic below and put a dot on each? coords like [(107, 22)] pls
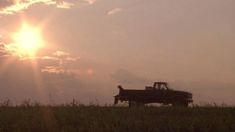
[(135, 103), (185, 104), (131, 103), (182, 104)]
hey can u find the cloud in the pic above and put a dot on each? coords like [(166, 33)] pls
[(49, 58), (65, 5), (61, 53), (5, 3), (59, 76), (57, 62), (114, 11), (91, 1), (3, 51), (53, 69), (14, 6), (61, 60)]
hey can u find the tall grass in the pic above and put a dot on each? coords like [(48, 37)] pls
[(75, 117)]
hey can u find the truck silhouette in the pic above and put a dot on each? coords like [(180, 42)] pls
[(158, 93)]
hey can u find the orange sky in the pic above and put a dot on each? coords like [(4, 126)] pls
[(91, 46)]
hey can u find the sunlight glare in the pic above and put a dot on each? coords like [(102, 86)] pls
[(27, 41)]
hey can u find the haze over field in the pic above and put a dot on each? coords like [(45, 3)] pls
[(56, 50)]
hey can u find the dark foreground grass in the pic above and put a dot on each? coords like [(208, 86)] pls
[(69, 118)]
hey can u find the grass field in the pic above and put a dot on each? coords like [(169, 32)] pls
[(71, 118)]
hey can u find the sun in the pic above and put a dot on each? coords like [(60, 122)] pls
[(27, 41)]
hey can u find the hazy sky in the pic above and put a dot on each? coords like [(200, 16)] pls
[(91, 46)]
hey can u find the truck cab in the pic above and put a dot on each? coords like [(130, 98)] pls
[(158, 86)]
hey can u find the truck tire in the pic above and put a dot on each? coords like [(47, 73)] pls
[(135, 103), (180, 103)]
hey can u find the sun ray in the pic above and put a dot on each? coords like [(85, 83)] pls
[(25, 44), (38, 80)]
